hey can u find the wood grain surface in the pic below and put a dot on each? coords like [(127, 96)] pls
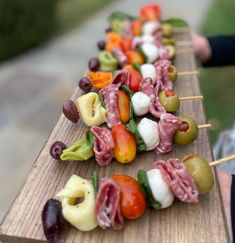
[(203, 222)]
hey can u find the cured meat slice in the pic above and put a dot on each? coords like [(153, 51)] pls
[(121, 78), (107, 209), (167, 126), (155, 107), (119, 54), (110, 99), (162, 66), (179, 180), (103, 145)]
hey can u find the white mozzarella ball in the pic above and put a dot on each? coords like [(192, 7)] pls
[(151, 52), (160, 190), (149, 71), (140, 102), (149, 27), (148, 130), (147, 39)]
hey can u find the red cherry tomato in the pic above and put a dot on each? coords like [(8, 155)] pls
[(135, 79), (126, 44), (132, 200)]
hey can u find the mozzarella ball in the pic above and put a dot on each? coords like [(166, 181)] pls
[(149, 27), (160, 190), (149, 71), (150, 51), (148, 130), (140, 102), (147, 39)]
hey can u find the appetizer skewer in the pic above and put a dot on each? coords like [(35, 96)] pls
[(108, 201)]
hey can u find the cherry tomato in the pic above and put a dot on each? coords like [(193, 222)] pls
[(132, 199), (135, 79), (134, 57), (123, 104), (150, 12), (136, 27), (124, 144), (126, 44)]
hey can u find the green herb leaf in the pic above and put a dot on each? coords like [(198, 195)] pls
[(95, 181), (176, 22), (120, 15), (90, 138), (101, 99), (131, 126)]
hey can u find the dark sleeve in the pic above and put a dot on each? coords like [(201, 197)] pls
[(233, 205), (223, 51)]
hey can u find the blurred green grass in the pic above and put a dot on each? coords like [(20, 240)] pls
[(70, 13), (218, 84)]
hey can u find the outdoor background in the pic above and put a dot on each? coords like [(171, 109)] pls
[(63, 36)]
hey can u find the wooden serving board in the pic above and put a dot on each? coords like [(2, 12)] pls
[(203, 222)]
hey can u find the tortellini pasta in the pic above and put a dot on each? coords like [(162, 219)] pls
[(80, 215), (91, 111)]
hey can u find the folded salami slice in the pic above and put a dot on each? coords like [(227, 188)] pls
[(103, 145), (162, 66), (179, 180), (110, 99), (155, 107), (121, 77), (107, 205), (167, 126)]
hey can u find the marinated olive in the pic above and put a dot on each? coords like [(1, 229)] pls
[(70, 111), (57, 149), (170, 100), (94, 64), (187, 132), (108, 29), (171, 51), (167, 30), (168, 41), (201, 172), (172, 73), (85, 84), (101, 45)]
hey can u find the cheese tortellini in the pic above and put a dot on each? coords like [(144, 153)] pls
[(91, 111), (80, 215)]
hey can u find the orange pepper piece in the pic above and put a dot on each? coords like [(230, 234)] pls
[(100, 80), (113, 40), (136, 26)]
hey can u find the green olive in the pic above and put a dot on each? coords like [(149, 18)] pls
[(201, 173), (167, 30), (168, 41), (171, 51), (117, 25), (187, 132), (172, 73), (170, 100)]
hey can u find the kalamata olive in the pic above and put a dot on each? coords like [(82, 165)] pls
[(167, 30), (172, 73), (57, 149), (170, 100), (101, 45), (52, 220), (70, 110), (85, 84), (108, 29), (201, 172), (187, 132), (94, 64), (171, 51)]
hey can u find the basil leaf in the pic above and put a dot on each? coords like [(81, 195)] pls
[(176, 22), (137, 68), (141, 52), (143, 181), (120, 15), (90, 138), (95, 181), (101, 99), (131, 126)]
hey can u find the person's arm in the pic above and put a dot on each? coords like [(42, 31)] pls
[(214, 51)]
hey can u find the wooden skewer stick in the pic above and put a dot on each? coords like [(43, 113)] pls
[(193, 72), (181, 30), (183, 43), (216, 162), (204, 126), (197, 97), (185, 50)]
